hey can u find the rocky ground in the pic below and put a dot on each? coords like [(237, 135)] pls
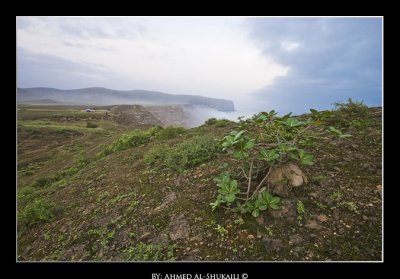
[(120, 208)]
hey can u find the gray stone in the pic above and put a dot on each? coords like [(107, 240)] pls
[(272, 244), (312, 224), (287, 171), (179, 228), (281, 189), (287, 209), (295, 239), (166, 202)]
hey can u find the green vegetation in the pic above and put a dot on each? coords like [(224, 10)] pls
[(137, 137), (182, 156), (128, 140), (37, 211), (150, 252), (263, 142), (91, 125), (218, 123), (353, 114), (300, 210), (221, 230), (169, 133)]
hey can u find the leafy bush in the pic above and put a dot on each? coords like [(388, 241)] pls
[(211, 121), (263, 141), (217, 122), (91, 125), (169, 133), (132, 139), (353, 113), (38, 211), (184, 155)]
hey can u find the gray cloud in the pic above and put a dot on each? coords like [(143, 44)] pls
[(336, 58), (59, 72)]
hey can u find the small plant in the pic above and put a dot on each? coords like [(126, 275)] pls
[(263, 142), (336, 195), (320, 205), (337, 132), (300, 210), (150, 252), (269, 231), (38, 211), (239, 221), (221, 230), (351, 206)]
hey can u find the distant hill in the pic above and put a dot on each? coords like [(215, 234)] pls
[(104, 96)]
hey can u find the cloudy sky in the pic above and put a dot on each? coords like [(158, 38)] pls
[(261, 63)]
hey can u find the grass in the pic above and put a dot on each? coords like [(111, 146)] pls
[(38, 211), (183, 156), (150, 252)]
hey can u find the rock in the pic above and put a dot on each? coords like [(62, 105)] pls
[(322, 218), (76, 252), (272, 244), (281, 189), (145, 236), (161, 239), (288, 171), (167, 201), (179, 228), (287, 209), (295, 239), (379, 189), (312, 224), (260, 220)]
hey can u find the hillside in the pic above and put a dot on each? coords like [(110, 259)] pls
[(104, 96), (132, 191)]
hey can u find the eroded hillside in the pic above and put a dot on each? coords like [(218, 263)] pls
[(148, 197)]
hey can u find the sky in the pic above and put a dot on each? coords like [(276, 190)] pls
[(261, 63)]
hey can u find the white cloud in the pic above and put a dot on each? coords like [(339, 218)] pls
[(289, 46), (206, 56)]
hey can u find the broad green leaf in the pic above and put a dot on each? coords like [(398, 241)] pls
[(314, 111), (250, 144), (262, 118), (233, 185), (345, 136), (275, 200), (293, 122), (238, 135), (263, 207), (255, 213), (230, 197), (274, 206), (269, 155), (223, 191)]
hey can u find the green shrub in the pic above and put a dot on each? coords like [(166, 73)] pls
[(91, 125), (218, 123), (132, 139), (38, 211), (184, 155), (169, 133), (353, 113), (211, 121)]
